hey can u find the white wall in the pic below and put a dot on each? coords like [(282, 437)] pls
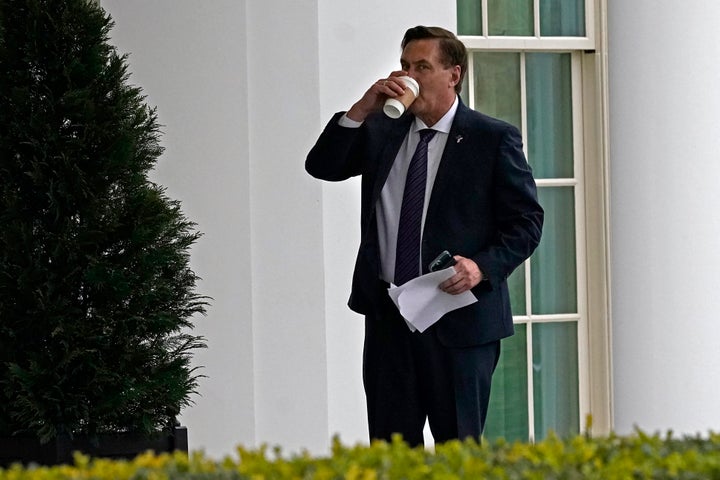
[(190, 60), (664, 104)]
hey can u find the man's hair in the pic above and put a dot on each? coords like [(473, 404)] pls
[(452, 50)]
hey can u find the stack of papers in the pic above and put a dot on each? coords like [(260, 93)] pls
[(422, 303)]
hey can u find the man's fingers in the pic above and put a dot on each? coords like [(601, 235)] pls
[(467, 276), (390, 87), (458, 283), (449, 283)]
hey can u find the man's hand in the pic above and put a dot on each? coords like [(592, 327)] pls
[(375, 97), (468, 275)]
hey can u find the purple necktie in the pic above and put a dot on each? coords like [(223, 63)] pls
[(407, 255)]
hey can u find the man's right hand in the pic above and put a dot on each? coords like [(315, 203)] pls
[(374, 98)]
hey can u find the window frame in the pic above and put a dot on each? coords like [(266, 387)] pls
[(591, 193)]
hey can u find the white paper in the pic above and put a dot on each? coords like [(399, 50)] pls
[(422, 303)]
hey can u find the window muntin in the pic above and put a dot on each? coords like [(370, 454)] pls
[(537, 385)]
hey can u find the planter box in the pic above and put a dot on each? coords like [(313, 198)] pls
[(60, 450)]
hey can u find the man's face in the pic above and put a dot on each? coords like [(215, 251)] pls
[(421, 59)]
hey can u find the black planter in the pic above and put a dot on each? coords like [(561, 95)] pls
[(60, 450)]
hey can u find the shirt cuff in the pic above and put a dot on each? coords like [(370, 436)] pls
[(344, 121)]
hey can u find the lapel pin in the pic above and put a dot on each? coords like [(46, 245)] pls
[(458, 139)]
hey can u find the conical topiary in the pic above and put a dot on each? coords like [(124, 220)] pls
[(96, 293)]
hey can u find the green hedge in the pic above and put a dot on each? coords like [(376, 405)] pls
[(639, 456)]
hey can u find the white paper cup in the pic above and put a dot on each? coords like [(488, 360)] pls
[(395, 107)]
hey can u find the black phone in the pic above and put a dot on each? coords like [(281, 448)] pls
[(444, 260)]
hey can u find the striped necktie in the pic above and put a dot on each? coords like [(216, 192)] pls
[(407, 256)]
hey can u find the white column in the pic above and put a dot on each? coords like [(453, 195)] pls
[(189, 59), (664, 144), (286, 224)]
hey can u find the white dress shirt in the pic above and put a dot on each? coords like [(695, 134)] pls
[(389, 204)]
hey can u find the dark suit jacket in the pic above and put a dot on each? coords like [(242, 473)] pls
[(483, 206)]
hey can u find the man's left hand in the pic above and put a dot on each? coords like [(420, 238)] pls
[(468, 275)]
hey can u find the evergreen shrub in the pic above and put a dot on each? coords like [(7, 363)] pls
[(96, 293)]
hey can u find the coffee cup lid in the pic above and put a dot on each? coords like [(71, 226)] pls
[(393, 108)]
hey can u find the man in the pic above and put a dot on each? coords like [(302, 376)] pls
[(479, 202)]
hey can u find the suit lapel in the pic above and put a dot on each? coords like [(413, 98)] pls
[(454, 150), (386, 158)]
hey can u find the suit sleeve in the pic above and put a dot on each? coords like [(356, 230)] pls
[(337, 154), (519, 216)]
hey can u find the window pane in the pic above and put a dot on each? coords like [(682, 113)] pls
[(549, 116), (555, 379), (469, 17), (516, 286), (497, 85), (510, 17), (562, 18), (508, 410), (553, 274)]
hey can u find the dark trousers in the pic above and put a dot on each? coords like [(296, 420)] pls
[(409, 376)]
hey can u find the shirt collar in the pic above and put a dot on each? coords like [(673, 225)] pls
[(443, 125)]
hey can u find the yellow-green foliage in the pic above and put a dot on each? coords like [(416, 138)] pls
[(639, 456)]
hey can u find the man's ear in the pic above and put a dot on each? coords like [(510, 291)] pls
[(455, 75)]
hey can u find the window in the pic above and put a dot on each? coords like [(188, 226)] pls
[(530, 66)]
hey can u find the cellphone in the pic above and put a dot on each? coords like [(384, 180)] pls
[(442, 261)]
